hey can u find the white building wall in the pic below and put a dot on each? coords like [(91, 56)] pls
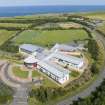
[(63, 80), (60, 80), (81, 64)]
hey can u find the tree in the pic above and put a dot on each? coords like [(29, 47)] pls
[(93, 48), (94, 68)]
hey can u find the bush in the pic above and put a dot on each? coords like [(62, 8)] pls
[(45, 94), (93, 48), (9, 47), (5, 93)]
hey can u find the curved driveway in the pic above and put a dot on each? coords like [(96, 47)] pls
[(93, 86)]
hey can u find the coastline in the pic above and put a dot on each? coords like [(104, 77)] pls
[(47, 10)]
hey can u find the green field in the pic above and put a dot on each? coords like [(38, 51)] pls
[(19, 73), (5, 35), (44, 38), (74, 74), (35, 73), (93, 15), (14, 25)]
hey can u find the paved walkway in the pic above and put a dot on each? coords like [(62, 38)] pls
[(21, 89), (20, 96), (18, 79), (4, 77)]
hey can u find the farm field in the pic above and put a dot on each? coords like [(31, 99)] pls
[(64, 25), (14, 25), (5, 35), (102, 28), (45, 38), (97, 15)]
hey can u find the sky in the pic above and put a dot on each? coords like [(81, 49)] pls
[(50, 2)]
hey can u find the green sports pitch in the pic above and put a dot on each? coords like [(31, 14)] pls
[(44, 38)]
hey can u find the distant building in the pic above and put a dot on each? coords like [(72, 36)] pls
[(28, 49), (63, 47)]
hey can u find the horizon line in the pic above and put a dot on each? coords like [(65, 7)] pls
[(49, 5)]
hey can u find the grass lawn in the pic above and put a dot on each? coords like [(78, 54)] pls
[(35, 73), (47, 82), (44, 38), (5, 35), (74, 74), (14, 25), (19, 73)]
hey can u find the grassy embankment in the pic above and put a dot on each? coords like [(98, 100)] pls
[(5, 35)]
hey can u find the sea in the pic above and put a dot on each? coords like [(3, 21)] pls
[(32, 10)]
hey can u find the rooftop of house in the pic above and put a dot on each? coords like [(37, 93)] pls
[(68, 58), (66, 47), (59, 72), (31, 48), (52, 68), (31, 59)]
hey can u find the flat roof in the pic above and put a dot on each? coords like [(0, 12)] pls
[(68, 58), (56, 71), (64, 47), (31, 59), (52, 68), (30, 47)]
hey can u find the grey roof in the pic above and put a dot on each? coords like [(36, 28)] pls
[(54, 70), (71, 59), (68, 58), (30, 59), (66, 47), (29, 47)]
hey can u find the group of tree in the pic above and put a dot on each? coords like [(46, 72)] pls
[(96, 98), (9, 47), (93, 48), (44, 94), (6, 94), (47, 94)]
